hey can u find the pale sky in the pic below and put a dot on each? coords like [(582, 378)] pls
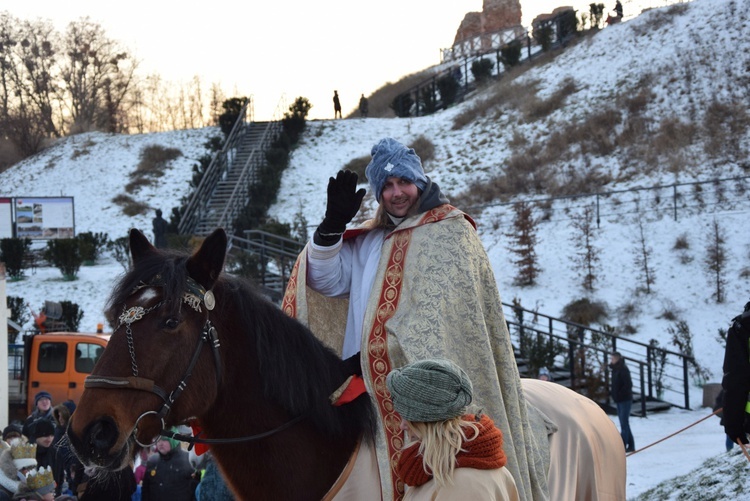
[(285, 48)]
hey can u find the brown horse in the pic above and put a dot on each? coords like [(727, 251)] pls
[(263, 378)]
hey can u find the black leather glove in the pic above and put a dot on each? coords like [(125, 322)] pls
[(343, 204)]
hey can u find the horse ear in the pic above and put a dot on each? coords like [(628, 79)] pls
[(206, 264), (140, 247)]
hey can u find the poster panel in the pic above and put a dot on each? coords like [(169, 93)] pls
[(6, 218), (44, 217)]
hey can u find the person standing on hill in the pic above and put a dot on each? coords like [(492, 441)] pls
[(336, 105), (618, 9), (622, 394), (364, 106), (412, 283), (160, 231)]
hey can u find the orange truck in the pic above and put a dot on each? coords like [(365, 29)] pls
[(56, 362)]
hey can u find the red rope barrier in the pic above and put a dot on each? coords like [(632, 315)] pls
[(677, 433)]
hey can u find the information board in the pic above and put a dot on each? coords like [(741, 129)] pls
[(44, 217)]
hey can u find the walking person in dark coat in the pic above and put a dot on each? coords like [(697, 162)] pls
[(618, 9), (622, 394), (336, 105), (168, 473)]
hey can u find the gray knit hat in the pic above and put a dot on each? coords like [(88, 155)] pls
[(392, 159), (429, 390)]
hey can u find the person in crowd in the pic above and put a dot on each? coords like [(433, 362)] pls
[(336, 105), (15, 461), (38, 486), (448, 454), (42, 409), (400, 288), (622, 394), (160, 231), (364, 106), (46, 454), (168, 473), (736, 380), (212, 486), (70, 463), (12, 432), (544, 374)]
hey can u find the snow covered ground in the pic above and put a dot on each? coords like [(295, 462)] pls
[(94, 168)]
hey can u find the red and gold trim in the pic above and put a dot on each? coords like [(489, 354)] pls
[(289, 302), (377, 350)]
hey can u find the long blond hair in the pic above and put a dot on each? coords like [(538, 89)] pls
[(439, 443)]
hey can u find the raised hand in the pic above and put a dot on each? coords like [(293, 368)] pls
[(343, 204)]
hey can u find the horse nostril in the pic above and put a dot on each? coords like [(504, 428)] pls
[(102, 436)]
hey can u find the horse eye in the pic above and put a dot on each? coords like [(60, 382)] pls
[(172, 323)]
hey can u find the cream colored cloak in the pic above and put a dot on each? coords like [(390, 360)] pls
[(435, 295)]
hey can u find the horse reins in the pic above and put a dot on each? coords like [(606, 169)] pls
[(193, 297)]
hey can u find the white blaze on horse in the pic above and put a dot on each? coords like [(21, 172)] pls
[(193, 345)]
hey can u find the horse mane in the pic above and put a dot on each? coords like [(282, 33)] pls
[(298, 371), (169, 264)]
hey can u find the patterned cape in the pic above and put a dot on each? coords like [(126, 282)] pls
[(431, 301)]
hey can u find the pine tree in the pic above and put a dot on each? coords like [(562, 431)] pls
[(716, 259), (643, 258), (586, 259), (522, 244)]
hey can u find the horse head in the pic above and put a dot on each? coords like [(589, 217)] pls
[(143, 382)]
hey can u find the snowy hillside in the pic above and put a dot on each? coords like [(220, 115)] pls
[(692, 57)]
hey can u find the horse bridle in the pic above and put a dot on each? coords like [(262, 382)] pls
[(195, 296)]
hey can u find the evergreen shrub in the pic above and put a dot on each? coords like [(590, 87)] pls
[(482, 70), (448, 87), (91, 246), (65, 255), (12, 253)]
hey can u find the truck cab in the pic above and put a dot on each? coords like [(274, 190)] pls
[(56, 362)]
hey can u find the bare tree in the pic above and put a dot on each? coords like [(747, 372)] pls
[(586, 258), (9, 36), (716, 259), (522, 243), (97, 75), (217, 99), (643, 258), (34, 72)]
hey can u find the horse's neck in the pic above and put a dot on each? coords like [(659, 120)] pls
[(296, 463)]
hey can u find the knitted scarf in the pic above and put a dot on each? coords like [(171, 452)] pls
[(485, 452)]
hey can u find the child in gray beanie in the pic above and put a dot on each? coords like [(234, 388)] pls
[(430, 390), (447, 454)]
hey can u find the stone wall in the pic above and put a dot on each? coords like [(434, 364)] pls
[(496, 15)]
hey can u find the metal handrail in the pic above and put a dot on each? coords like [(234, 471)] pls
[(238, 198), (214, 173), (276, 245), (581, 330)]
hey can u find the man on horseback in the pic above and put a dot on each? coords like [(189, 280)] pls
[(412, 283)]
